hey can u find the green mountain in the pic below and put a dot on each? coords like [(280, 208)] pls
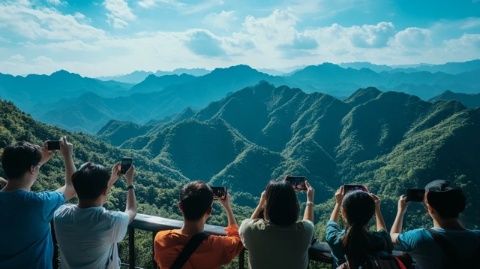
[(387, 140), (468, 100)]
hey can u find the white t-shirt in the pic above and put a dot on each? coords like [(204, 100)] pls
[(88, 237)]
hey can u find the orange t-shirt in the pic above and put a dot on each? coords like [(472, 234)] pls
[(212, 252)]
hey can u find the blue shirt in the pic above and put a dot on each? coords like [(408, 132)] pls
[(94, 232), (380, 241), (26, 239), (427, 254)]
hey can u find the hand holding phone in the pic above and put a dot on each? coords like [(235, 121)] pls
[(415, 195), (125, 164), (297, 182), (219, 193), (354, 187)]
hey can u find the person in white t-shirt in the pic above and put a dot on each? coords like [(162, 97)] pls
[(87, 233)]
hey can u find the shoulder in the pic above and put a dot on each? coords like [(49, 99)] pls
[(163, 238), (414, 238), (64, 210), (43, 197), (253, 224), (306, 226), (116, 216)]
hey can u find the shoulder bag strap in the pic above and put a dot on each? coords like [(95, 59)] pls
[(188, 250)]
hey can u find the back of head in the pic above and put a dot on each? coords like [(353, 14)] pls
[(282, 205), (447, 201), (17, 159), (195, 200), (358, 207), (90, 181)]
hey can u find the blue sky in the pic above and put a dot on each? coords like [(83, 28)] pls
[(108, 37)]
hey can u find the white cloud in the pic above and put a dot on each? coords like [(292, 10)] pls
[(222, 20), (182, 6), (22, 20), (119, 13), (204, 43), (55, 2)]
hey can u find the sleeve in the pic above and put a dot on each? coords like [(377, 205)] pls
[(407, 241), (120, 225), (309, 228), (51, 201), (231, 245), (332, 232), (244, 231)]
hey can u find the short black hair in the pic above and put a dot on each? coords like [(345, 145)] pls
[(90, 181), (282, 204), (17, 159), (447, 200), (195, 200)]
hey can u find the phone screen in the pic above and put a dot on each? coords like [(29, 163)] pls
[(297, 182), (219, 192), (353, 187), (415, 195), (53, 145), (125, 165)]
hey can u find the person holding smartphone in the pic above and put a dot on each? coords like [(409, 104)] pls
[(26, 241), (448, 244), (189, 247), (273, 235), (352, 246), (86, 232)]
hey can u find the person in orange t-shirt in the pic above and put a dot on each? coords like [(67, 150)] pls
[(196, 200)]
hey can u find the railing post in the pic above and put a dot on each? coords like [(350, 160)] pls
[(131, 247), (153, 251), (241, 259)]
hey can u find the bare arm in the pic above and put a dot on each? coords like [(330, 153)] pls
[(226, 203), (397, 226), (380, 222), (260, 207), (308, 214), (338, 204), (66, 149), (131, 207)]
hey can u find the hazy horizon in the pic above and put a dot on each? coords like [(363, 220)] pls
[(113, 37)]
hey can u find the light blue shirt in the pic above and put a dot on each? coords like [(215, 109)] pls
[(427, 254), (26, 239), (88, 237)]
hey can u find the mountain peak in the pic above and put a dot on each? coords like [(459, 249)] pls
[(363, 95), (62, 73)]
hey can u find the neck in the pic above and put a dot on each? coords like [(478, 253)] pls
[(448, 224), (193, 227), (18, 184), (90, 203)]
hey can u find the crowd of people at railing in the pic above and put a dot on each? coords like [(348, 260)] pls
[(87, 233)]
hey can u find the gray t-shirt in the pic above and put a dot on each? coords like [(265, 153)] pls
[(273, 246), (88, 237)]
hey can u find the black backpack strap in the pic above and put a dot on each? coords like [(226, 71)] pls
[(448, 249), (188, 250)]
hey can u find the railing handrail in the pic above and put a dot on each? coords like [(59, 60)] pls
[(319, 251)]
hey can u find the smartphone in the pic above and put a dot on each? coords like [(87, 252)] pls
[(125, 164), (53, 144), (354, 187), (415, 195), (219, 193), (297, 182)]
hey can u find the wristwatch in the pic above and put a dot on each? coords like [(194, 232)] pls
[(131, 187)]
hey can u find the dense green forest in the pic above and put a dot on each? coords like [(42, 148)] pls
[(387, 140)]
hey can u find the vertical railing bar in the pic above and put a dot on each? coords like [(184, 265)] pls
[(153, 250), (241, 259), (55, 246), (131, 247)]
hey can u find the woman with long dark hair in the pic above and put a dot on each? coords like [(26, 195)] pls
[(278, 239), (352, 246)]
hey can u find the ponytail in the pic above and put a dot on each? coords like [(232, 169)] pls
[(356, 245)]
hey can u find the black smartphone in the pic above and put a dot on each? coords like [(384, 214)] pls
[(415, 195), (354, 187), (53, 144), (297, 182), (125, 164), (219, 193)]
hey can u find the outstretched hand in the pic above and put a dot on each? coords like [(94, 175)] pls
[(46, 154), (130, 174), (226, 202), (310, 192), (115, 174), (376, 199), (402, 204), (339, 194), (66, 148)]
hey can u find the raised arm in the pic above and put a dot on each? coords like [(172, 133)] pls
[(380, 222), (226, 203), (131, 207), (338, 204), (66, 149), (260, 207), (308, 214), (397, 226)]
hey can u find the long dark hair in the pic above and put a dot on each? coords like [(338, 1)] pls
[(359, 208), (282, 205)]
